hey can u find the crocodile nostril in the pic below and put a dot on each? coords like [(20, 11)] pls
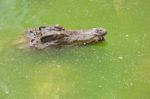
[(104, 33), (101, 31)]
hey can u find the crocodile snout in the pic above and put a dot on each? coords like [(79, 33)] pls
[(101, 31)]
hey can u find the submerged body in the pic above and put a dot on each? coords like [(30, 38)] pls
[(46, 36)]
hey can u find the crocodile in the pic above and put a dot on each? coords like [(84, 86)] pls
[(47, 36)]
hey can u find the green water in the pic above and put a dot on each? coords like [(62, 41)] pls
[(118, 68)]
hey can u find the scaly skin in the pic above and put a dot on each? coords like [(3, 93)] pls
[(46, 36)]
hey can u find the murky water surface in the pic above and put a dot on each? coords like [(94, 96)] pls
[(118, 68)]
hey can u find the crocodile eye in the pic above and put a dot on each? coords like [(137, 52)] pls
[(42, 27), (59, 28), (49, 38), (30, 31)]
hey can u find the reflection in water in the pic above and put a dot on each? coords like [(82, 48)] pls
[(53, 82), (119, 6), (4, 88)]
